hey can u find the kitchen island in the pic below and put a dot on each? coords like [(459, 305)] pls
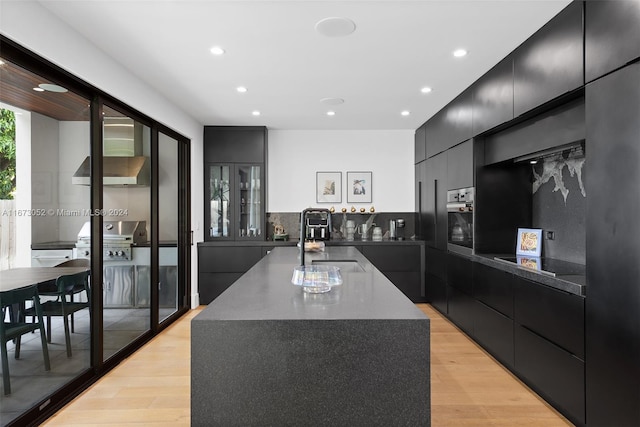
[(266, 353)]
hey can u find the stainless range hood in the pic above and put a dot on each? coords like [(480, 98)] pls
[(117, 172), (123, 163)]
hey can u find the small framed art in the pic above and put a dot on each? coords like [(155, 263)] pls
[(529, 242), (329, 187), (359, 187)]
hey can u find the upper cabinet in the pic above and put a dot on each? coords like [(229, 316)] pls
[(421, 144), (234, 182), (612, 36), (493, 97), (451, 125), (460, 166), (551, 62)]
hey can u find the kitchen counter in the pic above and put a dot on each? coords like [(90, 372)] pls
[(266, 353), (573, 283)]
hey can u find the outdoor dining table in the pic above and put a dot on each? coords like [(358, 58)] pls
[(15, 278)]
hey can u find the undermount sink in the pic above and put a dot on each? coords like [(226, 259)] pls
[(346, 265)]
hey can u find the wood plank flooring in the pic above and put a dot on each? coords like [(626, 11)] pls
[(152, 387)]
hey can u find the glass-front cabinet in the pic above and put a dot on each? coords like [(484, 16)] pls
[(235, 202)]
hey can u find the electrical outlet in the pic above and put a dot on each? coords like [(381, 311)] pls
[(550, 235)]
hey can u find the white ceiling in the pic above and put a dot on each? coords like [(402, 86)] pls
[(272, 48)]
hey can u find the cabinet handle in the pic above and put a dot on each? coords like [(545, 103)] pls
[(51, 257), (420, 206), (435, 201)]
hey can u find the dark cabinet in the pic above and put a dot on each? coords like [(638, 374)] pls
[(613, 298), (436, 278), (551, 62), (494, 288), (435, 203), (234, 178), (460, 273), (494, 331), (460, 170), (421, 198), (403, 265), (220, 266), (558, 316), (451, 125), (555, 374), (612, 35), (421, 144), (461, 309), (493, 97)]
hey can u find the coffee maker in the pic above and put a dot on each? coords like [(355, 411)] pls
[(318, 224)]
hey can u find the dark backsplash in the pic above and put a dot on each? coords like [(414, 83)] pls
[(291, 223)]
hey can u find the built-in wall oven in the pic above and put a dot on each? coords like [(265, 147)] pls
[(460, 220)]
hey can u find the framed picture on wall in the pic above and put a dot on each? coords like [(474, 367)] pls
[(529, 242), (329, 187), (359, 187)]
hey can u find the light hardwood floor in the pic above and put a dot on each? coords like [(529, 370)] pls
[(151, 388)]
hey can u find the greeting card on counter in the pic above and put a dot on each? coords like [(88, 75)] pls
[(529, 242)]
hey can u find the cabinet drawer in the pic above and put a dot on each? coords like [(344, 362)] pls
[(211, 285), (495, 332), (494, 288), (553, 372), (461, 309), (437, 263), (436, 293), (393, 258), (460, 273), (228, 259), (555, 315)]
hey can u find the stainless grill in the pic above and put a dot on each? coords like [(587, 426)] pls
[(117, 236)]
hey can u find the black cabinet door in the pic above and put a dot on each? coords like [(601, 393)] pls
[(451, 125), (435, 216), (494, 288), (460, 273), (421, 200), (550, 63), (436, 292), (558, 316), (612, 35), (437, 263), (613, 301), (461, 309), (389, 257), (493, 97), (227, 259), (211, 285), (460, 170), (409, 282), (554, 373), (421, 144), (494, 331), (235, 144)]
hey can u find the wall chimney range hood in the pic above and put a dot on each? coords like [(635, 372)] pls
[(117, 172), (123, 163)]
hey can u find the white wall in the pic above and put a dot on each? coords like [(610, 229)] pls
[(296, 155), (32, 26)]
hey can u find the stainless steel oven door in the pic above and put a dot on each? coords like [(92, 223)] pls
[(460, 230)]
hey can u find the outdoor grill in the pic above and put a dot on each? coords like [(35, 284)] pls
[(117, 239)]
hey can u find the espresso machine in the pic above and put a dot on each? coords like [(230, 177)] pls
[(318, 224)]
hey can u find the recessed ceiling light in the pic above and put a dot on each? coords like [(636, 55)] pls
[(52, 88), (2, 62), (426, 89), (241, 89), (332, 101), (533, 162), (331, 113), (459, 53), (255, 113), (38, 89), (335, 27), (405, 113), (217, 50)]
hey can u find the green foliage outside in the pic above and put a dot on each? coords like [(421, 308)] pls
[(7, 154)]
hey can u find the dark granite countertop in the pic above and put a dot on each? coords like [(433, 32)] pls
[(573, 283), (265, 292)]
